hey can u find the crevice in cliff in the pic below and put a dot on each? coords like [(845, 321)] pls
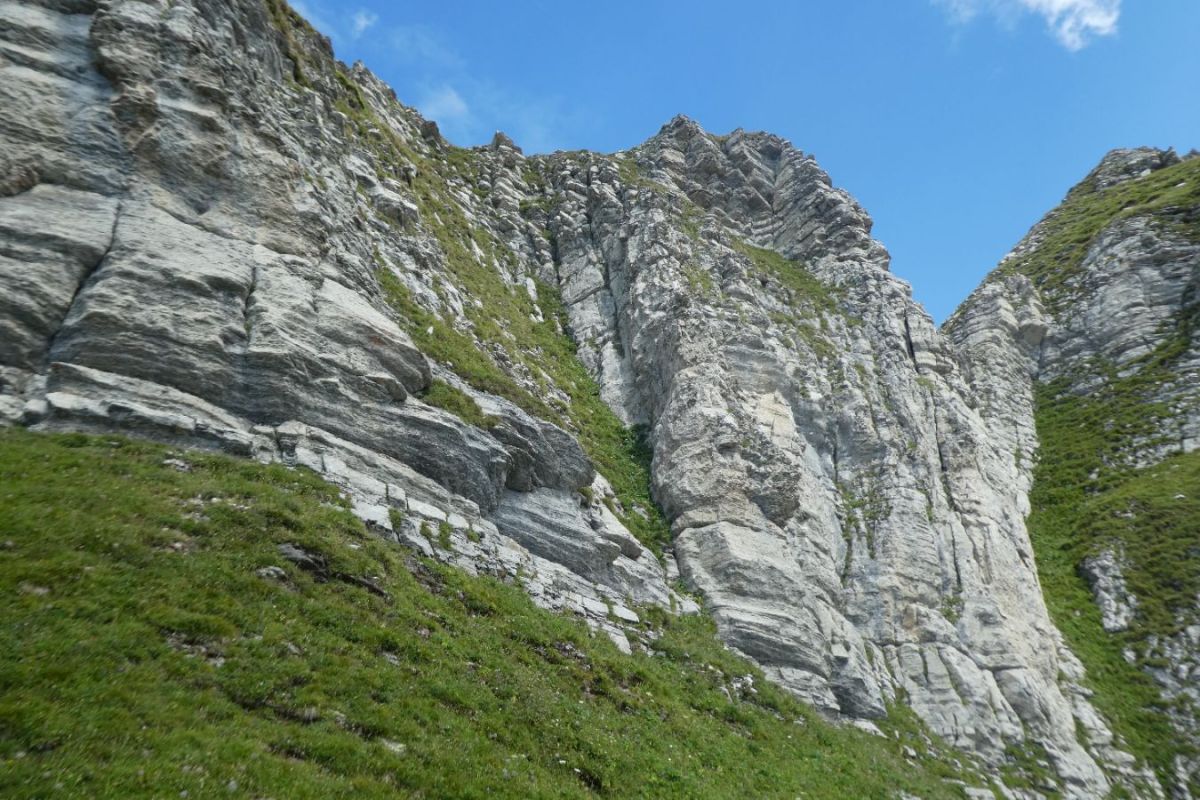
[(632, 406), (908, 342), (952, 678), (834, 458), (958, 581), (242, 391), (247, 306), (87, 279), (942, 465), (591, 292)]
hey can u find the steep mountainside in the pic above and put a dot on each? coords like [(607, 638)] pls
[(594, 375), (1112, 274)]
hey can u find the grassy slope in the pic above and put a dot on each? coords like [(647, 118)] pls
[(1069, 523), (142, 656), (1085, 487)]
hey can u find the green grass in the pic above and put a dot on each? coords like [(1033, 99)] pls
[(1155, 513), (809, 299), (296, 34), (632, 176), (141, 655), (1080, 500), (1088, 492), (1171, 194), (700, 281), (1028, 768), (457, 402), (805, 289), (865, 506)]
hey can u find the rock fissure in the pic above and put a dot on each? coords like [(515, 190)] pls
[(85, 280)]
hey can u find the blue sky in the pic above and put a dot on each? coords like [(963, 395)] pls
[(956, 123)]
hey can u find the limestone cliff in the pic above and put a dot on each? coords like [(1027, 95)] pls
[(580, 371), (1109, 282)]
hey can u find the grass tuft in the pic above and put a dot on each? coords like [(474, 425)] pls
[(457, 402)]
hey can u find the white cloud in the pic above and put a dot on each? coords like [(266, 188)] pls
[(444, 104), (361, 21), (1073, 22), (416, 43), (447, 88)]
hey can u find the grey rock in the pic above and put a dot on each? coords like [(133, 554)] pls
[(850, 510), (553, 527), (541, 454), (1137, 275), (395, 207), (272, 573), (310, 562), (1122, 165), (1104, 574)]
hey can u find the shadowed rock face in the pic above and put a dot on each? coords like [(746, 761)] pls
[(197, 220)]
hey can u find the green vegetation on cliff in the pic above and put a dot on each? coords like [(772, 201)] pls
[(1090, 492), (805, 289), (1158, 534), (155, 643), (457, 402), (511, 343), (1172, 194)]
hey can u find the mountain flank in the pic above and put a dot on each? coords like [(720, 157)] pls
[(651, 442)]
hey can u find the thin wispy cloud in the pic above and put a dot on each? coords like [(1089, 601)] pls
[(471, 110), (444, 104), (1074, 23), (418, 44), (362, 21), (441, 82)]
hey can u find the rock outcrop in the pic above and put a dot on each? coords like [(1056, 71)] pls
[(1108, 281), (214, 234), (847, 497)]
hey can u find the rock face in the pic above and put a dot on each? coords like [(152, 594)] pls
[(853, 520), (212, 233), (1108, 281)]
